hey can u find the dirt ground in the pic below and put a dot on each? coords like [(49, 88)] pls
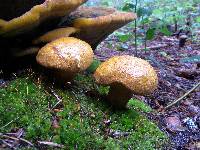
[(176, 75)]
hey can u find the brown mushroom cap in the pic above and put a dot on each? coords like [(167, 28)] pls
[(39, 13), (126, 75), (67, 56), (96, 23)]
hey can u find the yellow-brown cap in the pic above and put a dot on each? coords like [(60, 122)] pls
[(67, 54), (39, 13), (96, 23), (55, 34), (133, 73)]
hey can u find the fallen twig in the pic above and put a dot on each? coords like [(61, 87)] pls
[(16, 139), (18, 134), (57, 97), (8, 144), (9, 123), (155, 47), (51, 144), (182, 97)]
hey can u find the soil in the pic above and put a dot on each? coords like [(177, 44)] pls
[(181, 122)]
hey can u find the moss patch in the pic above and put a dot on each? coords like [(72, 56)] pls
[(85, 121)]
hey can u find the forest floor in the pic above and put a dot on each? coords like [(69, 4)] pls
[(94, 121), (178, 71)]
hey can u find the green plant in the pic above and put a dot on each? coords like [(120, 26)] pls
[(26, 105), (81, 118), (93, 66), (156, 16)]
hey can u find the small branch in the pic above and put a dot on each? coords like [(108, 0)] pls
[(182, 97), (56, 105), (51, 144), (57, 97), (16, 139), (24, 140), (154, 47), (8, 144), (9, 123)]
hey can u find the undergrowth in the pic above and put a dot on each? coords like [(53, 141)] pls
[(85, 120)]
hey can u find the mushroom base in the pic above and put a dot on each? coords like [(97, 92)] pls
[(119, 95), (62, 76)]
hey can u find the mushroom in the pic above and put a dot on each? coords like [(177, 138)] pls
[(47, 11), (22, 21), (90, 24), (96, 23), (126, 75), (55, 34), (39, 22), (66, 57)]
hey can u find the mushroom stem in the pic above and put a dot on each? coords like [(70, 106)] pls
[(63, 76), (119, 95)]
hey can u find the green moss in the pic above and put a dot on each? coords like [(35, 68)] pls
[(139, 105), (95, 64), (25, 104), (82, 119)]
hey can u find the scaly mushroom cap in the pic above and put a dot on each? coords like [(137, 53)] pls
[(135, 74), (39, 13), (96, 23), (66, 55)]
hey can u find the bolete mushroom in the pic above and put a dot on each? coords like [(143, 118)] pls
[(126, 75), (94, 24), (66, 56)]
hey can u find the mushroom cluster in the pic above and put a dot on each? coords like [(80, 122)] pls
[(33, 14), (96, 23), (64, 35), (91, 24), (26, 27), (35, 23), (126, 75)]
